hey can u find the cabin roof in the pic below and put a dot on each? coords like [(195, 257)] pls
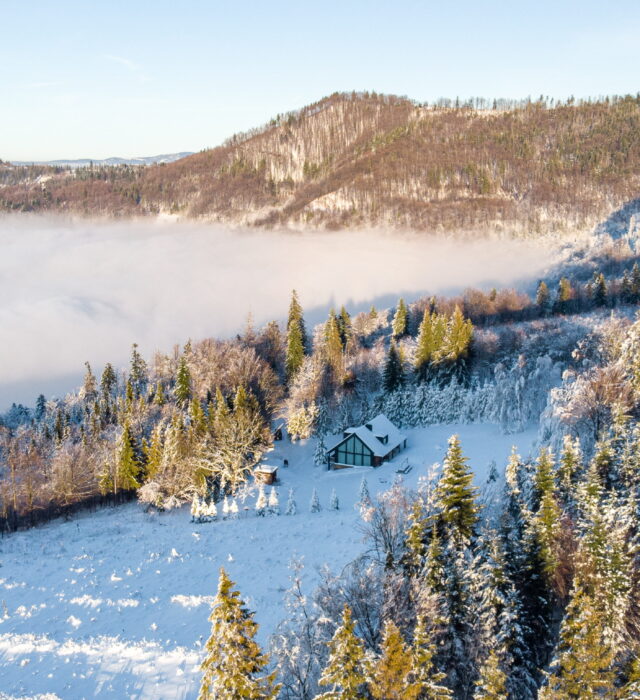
[(381, 427), (267, 468)]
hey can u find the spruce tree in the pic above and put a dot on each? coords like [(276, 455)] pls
[(564, 296), (393, 374), (154, 453), (292, 508), (296, 339), (333, 346), (89, 386), (455, 493), (344, 326), (584, 666), (128, 466), (234, 666), (635, 282), (626, 289), (388, 675), (600, 291), (182, 390), (425, 680), (426, 348), (400, 320), (542, 297), (138, 372), (345, 671), (492, 684)]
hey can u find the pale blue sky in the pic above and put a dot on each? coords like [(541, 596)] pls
[(100, 78)]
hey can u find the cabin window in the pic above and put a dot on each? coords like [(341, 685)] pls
[(354, 451)]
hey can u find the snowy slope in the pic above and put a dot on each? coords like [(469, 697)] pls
[(114, 604)]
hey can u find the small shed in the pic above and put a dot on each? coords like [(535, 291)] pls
[(266, 473)]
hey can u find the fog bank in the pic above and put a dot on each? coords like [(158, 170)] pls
[(72, 291)]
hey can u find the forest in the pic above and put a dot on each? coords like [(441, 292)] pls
[(524, 168)]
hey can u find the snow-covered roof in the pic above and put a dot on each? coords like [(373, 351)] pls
[(267, 468), (381, 427)]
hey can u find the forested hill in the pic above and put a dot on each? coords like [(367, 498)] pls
[(363, 159)]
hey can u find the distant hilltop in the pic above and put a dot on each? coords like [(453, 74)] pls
[(356, 160), (86, 162)]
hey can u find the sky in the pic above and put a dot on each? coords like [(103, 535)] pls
[(132, 78)]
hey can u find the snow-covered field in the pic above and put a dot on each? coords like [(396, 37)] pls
[(114, 604)]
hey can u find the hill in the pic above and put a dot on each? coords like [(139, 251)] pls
[(354, 160)]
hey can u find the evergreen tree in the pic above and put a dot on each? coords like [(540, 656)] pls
[(89, 386), (295, 352), (128, 465), (635, 282), (234, 665), (584, 667), (261, 502), (564, 296), (138, 372), (154, 453), (296, 339), (426, 346), (292, 508), (424, 678), (344, 326), (455, 493), (182, 390), (41, 408), (542, 297), (399, 323), (600, 290), (626, 289), (333, 346), (492, 684), (345, 668), (314, 505), (108, 382), (415, 539), (334, 503), (274, 503), (388, 676), (160, 398), (393, 374)]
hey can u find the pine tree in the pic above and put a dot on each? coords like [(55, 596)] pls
[(626, 289), (388, 676), (415, 539), (334, 503), (564, 296), (393, 374), (314, 505), (492, 684), (344, 326), (108, 382), (399, 323), (455, 493), (292, 508), (160, 398), (41, 408), (234, 662), (345, 667), (182, 390)]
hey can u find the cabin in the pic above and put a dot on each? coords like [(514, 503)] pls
[(266, 473), (367, 445)]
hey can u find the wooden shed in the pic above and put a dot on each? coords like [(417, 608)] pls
[(266, 473)]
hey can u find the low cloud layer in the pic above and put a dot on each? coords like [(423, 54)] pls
[(72, 291)]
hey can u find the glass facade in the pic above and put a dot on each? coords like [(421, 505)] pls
[(354, 451)]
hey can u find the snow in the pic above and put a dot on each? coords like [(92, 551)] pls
[(115, 603)]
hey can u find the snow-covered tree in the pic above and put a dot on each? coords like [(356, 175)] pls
[(334, 503), (274, 504), (234, 666), (292, 508), (345, 672), (314, 504), (261, 501)]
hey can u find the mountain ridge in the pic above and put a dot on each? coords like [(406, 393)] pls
[(358, 160)]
